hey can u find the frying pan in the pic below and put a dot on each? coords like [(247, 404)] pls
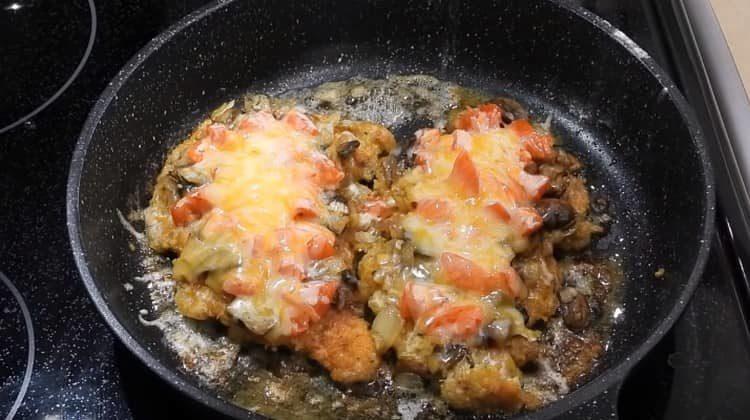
[(609, 102)]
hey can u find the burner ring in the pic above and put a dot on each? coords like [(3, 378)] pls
[(31, 345), (64, 87)]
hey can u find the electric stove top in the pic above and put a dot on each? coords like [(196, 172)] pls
[(57, 358)]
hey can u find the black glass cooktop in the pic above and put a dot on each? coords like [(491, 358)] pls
[(57, 358)]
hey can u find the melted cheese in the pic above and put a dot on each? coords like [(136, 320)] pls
[(263, 174), (471, 231)]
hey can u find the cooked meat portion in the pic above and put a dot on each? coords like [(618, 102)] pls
[(342, 343), (488, 382), (200, 302)]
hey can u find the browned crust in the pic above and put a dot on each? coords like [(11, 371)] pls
[(486, 383), (342, 343)]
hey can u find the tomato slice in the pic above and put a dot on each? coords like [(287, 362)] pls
[(189, 208), (464, 175), (527, 219), (306, 238), (256, 121), (522, 128), (462, 272), (484, 117), (377, 207), (318, 239), (327, 175), (499, 210), (310, 303), (534, 185), (196, 151), (467, 275), (319, 247), (426, 139), (434, 209), (289, 266), (326, 291), (507, 281), (458, 322), (304, 208), (419, 298), (300, 122), (239, 286), (539, 146)]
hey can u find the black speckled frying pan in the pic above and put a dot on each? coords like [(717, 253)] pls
[(609, 103)]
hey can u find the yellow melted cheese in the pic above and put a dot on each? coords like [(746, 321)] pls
[(472, 232), (259, 175)]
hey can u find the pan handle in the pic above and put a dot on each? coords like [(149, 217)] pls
[(603, 406)]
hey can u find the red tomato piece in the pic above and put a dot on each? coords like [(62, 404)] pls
[(318, 239), (527, 219), (300, 122), (419, 298), (319, 247), (256, 121), (310, 303), (522, 128), (484, 117), (507, 281), (288, 266), (464, 175), (426, 139), (377, 208), (326, 292), (239, 286), (459, 322), (539, 147), (195, 152), (463, 272), (466, 274), (189, 208), (534, 185), (304, 208), (435, 210), (327, 175), (499, 210)]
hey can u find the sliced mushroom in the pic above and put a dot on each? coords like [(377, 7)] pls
[(555, 213), (576, 313), (347, 148)]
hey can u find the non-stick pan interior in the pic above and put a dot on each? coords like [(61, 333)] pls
[(605, 103)]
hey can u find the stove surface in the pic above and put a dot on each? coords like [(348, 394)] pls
[(57, 358)]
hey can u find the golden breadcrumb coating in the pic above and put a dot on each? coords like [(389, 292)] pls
[(342, 343)]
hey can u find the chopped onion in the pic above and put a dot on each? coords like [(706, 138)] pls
[(499, 330), (386, 328)]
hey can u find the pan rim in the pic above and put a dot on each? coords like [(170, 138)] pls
[(599, 385)]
